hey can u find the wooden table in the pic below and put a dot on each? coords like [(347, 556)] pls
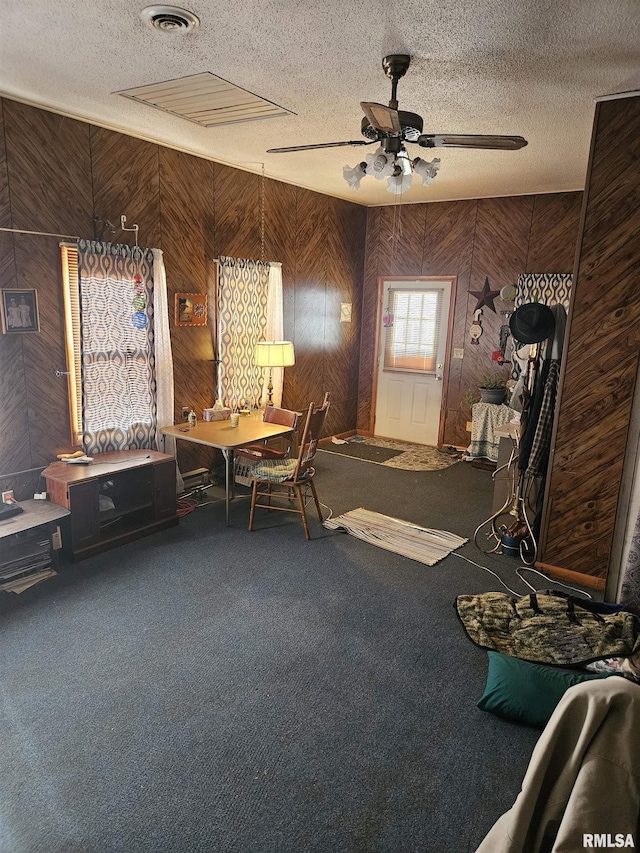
[(224, 437)]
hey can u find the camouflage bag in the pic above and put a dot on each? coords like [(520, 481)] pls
[(548, 627)]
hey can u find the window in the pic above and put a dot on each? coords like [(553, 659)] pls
[(71, 292), (108, 296), (412, 330)]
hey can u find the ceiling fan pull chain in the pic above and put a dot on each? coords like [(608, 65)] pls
[(262, 215)]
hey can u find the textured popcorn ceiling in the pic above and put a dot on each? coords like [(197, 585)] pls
[(527, 67)]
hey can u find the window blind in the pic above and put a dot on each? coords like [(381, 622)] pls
[(71, 293), (412, 330)]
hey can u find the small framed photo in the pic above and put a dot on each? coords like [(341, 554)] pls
[(20, 311), (191, 309)]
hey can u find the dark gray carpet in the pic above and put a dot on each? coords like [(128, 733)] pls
[(209, 689), (360, 450)]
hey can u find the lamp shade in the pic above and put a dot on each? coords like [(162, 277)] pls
[(275, 354)]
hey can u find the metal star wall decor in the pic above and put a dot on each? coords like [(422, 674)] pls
[(485, 296)]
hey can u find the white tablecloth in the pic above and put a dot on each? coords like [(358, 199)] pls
[(485, 418)]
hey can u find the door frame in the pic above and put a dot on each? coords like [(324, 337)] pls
[(453, 280)]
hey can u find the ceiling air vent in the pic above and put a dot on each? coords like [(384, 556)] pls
[(205, 99), (170, 19)]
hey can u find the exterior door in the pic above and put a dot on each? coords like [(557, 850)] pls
[(414, 321)]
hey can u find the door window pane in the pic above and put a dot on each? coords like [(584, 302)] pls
[(412, 330)]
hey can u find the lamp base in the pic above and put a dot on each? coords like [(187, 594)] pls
[(270, 390)]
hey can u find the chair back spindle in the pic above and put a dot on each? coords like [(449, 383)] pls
[(311, 436)]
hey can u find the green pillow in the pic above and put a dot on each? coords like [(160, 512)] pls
[(526, 692)]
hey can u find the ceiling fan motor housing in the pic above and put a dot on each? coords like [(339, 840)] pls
[(410, 124), (396, 65)]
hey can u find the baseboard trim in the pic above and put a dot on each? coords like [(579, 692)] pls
[(568, 575)]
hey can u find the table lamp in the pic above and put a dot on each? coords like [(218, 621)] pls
[(274, 354)]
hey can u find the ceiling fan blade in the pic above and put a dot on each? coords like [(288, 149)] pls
[(457, 140), (382, 118), (319, 145)]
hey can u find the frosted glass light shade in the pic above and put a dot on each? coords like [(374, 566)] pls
[(275, 354)]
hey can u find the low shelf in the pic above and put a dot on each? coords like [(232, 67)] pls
[(137, 490), (29, 542)]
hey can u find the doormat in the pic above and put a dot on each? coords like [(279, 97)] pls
[(483, 464), (363, 450), (423, 544), (408, 457)]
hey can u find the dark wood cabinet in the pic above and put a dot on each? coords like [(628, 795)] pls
[(164, 485), (114, 499)]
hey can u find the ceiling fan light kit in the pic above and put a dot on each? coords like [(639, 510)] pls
[(427, 169), (396, 168), (391, 128), (379, 164), (354, 174)]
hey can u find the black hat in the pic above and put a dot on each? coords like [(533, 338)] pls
[(532, 323)]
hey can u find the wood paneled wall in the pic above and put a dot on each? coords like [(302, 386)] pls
[(70, 177), (601, 363), (496, 238)]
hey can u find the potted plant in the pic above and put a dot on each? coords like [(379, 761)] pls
[(492, 389)]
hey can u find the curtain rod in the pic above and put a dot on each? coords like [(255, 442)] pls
[(123, 224), (217, 260), (40, 233)]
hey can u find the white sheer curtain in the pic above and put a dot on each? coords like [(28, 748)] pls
[(164, 359), (274, 332)]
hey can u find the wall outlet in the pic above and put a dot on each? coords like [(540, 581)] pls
[(469, 426), (345, 312), (458, 352), (6, 496), (185, 412)]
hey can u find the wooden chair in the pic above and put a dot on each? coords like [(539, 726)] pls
[(291, 480), (258, 452)]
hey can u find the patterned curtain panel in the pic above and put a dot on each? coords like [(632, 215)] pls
[(550, 289), (242, 321), (117, 332), (630, 591)]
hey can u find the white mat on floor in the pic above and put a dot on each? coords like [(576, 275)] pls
[(402, 537)]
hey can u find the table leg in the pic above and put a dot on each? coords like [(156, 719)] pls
[(228, 474)]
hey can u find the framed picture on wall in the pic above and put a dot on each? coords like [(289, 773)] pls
[(191, 309), (19, 311)]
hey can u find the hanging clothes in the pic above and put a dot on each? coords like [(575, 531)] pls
[(541, 444), (538, 415), (531, 414)]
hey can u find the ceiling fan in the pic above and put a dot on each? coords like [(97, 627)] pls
[(391, 128)]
